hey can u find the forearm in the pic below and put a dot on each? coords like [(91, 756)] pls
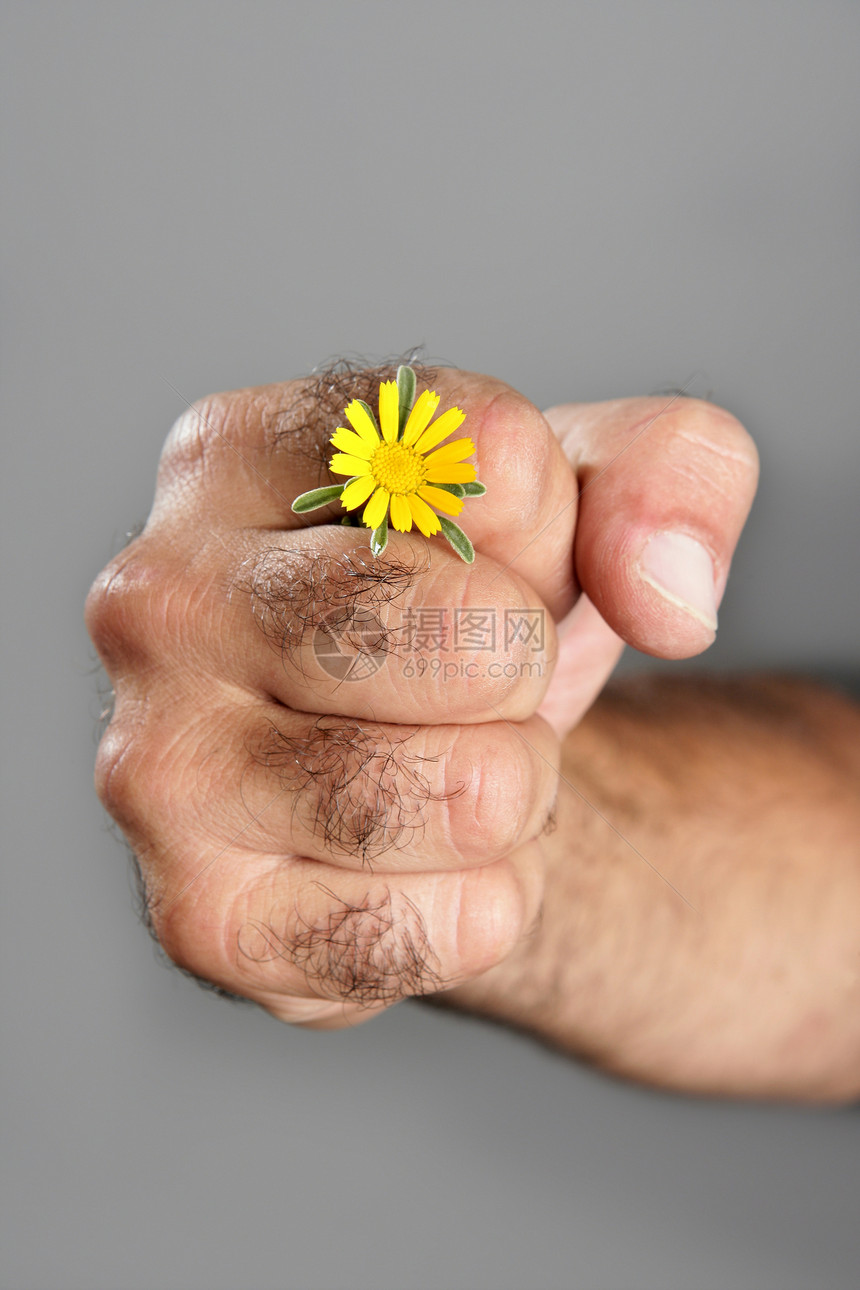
[(701, 926)]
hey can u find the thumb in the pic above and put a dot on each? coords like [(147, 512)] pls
[(665, 486)]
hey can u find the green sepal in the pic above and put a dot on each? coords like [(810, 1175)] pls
[(316, 498), (458, 540), (347, 521), (369, 410), (379, 537), (457, 489), (471, 490), (405, 395)]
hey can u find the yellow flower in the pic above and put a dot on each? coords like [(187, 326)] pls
[(397, 466), (401, 473)]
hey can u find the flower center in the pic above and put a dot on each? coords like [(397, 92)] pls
[(397, 468)]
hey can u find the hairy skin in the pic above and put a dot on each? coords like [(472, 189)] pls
[(360, 788), (732, 966), (372, 952), (305, 424), (291, 598)]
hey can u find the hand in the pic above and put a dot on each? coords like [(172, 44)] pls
[(325, 848)]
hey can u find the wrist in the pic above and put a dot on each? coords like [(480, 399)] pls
[(523, 991), (700, 918)]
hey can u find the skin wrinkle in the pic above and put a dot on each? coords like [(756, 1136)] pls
[(359, 791), (699, 477), (451, 829), (368, 953), (719, 450)]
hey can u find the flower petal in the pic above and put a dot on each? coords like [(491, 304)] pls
[(454, 472), (427, 520), (362, 424), (389, 410), (350, 442), (447, 424), (342, 464), (425, 405), (443, 501), (401, 516), (455, 451), (374, 511), (357, 492)]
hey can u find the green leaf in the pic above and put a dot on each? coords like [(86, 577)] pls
[(459, 490), (471, 490), (405, 394), (379, 537), (316, 498), (369, 410), (458, 539)]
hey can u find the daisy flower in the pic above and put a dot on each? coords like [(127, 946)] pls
[(396, 469)]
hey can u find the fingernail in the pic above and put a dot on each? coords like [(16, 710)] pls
[(681, 570)]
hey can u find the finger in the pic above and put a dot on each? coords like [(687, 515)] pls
[(322, 946), (313, 620), (241, 458), (360, 796), (665, 487), (412, 636), (394, 798)]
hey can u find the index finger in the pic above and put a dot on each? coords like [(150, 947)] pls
[(239, 459)]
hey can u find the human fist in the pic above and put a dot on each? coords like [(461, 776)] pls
[(327, 839)]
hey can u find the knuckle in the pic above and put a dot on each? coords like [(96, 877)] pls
[(126, 778), (114, 773), (122, 606), (144, 603), (110, 606), (191, 438), (189, 940), (147, 770)]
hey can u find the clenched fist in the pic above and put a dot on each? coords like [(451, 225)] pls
[(326, 838)]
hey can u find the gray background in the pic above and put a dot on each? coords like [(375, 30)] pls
[(585, 199)]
